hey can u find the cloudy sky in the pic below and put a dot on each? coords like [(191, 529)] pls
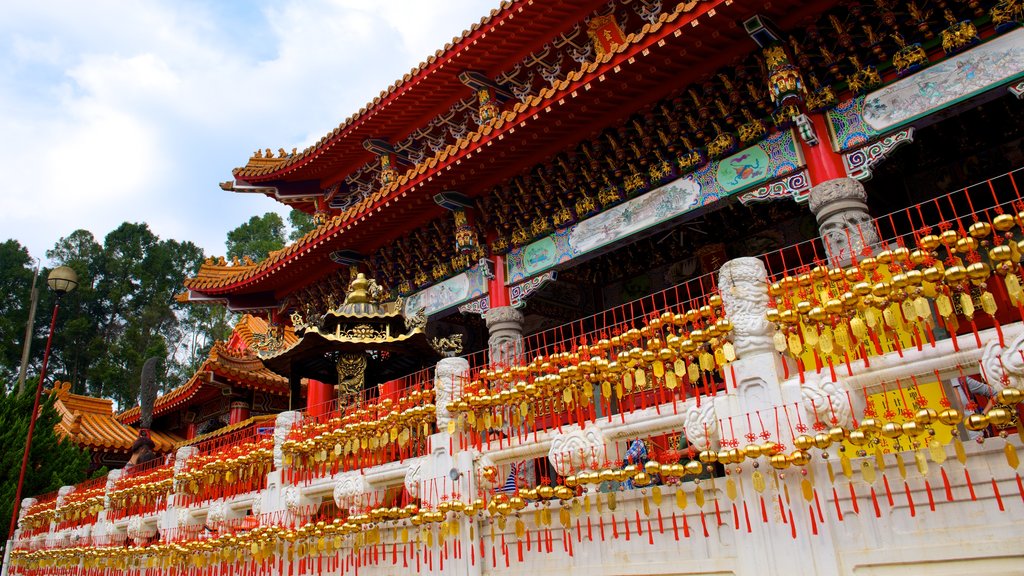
[(115, 110)]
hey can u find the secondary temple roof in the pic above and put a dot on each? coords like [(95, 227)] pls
[(234, 360), (90, 423)]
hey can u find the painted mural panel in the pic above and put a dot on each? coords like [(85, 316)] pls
[(454, 291), (771, 158), (953, 80)]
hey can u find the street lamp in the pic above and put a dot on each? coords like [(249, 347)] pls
[(61, 281)]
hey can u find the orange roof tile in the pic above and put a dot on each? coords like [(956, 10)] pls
[(90, 423)]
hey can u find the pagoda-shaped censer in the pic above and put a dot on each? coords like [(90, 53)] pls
[(339, 345)]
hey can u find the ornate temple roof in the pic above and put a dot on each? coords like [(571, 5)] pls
[(414, 98), (632, 71), (90, 423)]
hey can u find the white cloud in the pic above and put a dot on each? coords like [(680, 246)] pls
[(113, 111)]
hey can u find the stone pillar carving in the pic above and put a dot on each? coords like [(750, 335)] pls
[(450, 378), (414, 478), (840, 205), (62, 493), (505, 326), (349, 489), (1002, 367), (743, 284), (282, 427), (112, 477)]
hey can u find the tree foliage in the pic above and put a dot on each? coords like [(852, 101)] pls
[(15, 287), (123, 310), (300, 224), (257, 238), (52, 463)]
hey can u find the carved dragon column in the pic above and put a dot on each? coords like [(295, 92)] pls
[(841, 208), (755, 377), (450, 377), (505, 326)]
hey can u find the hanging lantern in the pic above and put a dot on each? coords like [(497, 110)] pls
[(465, 236)]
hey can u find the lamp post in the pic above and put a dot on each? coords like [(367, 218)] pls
[(61, 281)]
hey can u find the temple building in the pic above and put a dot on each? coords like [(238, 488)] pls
[(641, 286)]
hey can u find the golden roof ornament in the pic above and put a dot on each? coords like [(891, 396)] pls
[(959, 36)]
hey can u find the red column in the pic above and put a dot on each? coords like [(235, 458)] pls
[(239, 412), (823, 163), (190, 431), (318, 397), (496, 286)]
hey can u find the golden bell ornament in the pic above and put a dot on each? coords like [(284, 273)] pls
[(642, 479), (752, 451), (652, 467), (545, 492), (1003, 222), (822, 440), (912, 428), (803, 442), (570, 481), (799, 458), (976, 422), (708, 456), (858, 437), (950, 417), (925, 416), (563, 492), (1010, 396), (837, 433), (693, 468), (892, 430), (779, 461), (999, 416)]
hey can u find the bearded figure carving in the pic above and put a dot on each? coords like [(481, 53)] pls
[(450, 377)]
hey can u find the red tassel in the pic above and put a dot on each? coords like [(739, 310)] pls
[(764, 510), (735, 517), (590, 531), (910, 499), (792, 524), (661, 524), (853, 499), (814, 521), (970, 485), (718, 513), (639, 529), (600, 524), (888, 491), (746, 516), (1020, 487), (999, 497), (703, 523), (650, 533), (675, 527), (931, 499), (945, 484), (874, 502), (835, 498)]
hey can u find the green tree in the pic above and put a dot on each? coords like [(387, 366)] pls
[(15, 287), (52, 462), (300, 224), (124, 310), (257, 238)]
